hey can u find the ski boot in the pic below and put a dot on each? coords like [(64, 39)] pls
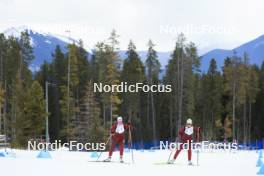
[(171, 161), (108, 159), (190, 163), (121, 160)]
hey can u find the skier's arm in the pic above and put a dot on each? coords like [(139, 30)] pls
[(112, 130), (128, 125), (181, 132)]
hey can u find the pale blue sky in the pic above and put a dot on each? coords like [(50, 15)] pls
[(209, 23)]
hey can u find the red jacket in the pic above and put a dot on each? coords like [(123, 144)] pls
[(113, 128), (185, 137)]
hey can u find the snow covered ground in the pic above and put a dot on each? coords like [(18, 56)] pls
[(65, 163)]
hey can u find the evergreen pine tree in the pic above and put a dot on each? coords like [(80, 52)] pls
[(133, 72), (153, 70), (35, 110), (68, 102), (2, 99), (91, 127)]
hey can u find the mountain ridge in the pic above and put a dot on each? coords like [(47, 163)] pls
[(44, 45), (254, 48)]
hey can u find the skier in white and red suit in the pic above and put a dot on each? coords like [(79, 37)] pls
[(118, 137), (187, 133)]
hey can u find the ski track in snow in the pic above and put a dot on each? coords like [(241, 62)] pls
[(64, 163)]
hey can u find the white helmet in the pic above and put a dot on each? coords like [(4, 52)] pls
[(189, 121), (119, 119)]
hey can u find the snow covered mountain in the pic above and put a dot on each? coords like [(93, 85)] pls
[(255, 49), (44, 44)]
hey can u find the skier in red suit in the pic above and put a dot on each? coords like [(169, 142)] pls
[(186, 134), (118, 137)]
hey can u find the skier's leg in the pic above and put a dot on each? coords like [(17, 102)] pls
[(112, 148), (121, 149), (177, 152), (121, 145), (190, 153)]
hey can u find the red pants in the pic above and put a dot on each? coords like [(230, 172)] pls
[(189, 151), (117, 139)]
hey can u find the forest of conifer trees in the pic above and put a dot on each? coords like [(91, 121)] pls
[(227, 102)]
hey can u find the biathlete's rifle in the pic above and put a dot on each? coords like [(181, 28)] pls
[(131, 143), (108, 139)]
